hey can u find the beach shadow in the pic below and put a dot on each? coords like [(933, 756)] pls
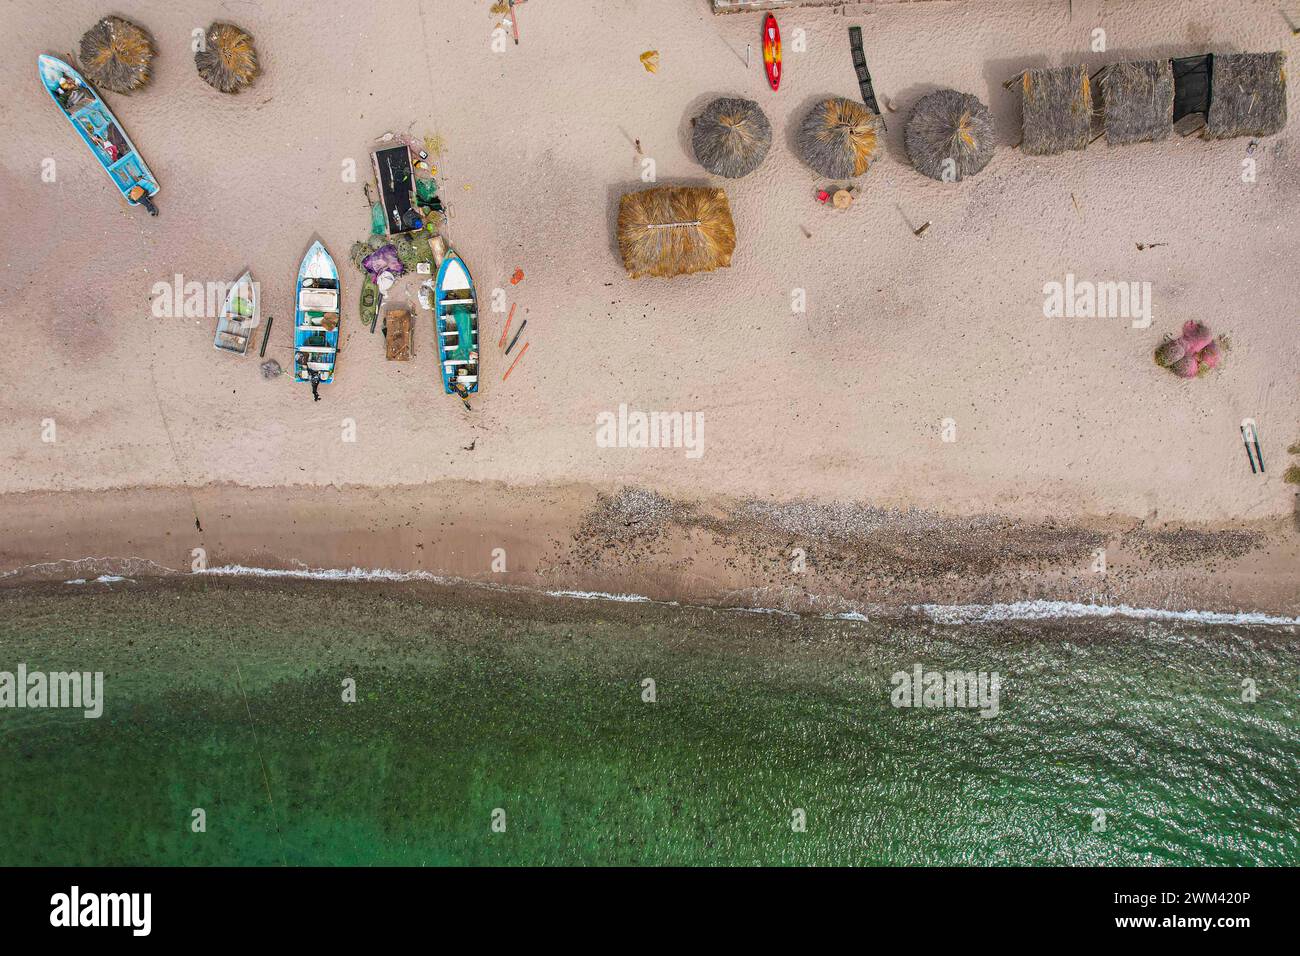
[(896, 138), (1005, 104), (686, 129)]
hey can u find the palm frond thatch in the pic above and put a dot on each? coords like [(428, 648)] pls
[(949, 135), (1057, 110), (839, 138), (228, 60), (1248, 95), (675, 230), (1138, 101), (116, 54), (731, 137)]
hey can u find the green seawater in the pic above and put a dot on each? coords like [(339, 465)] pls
[(1116, 742)]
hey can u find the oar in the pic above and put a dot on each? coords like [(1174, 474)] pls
[(506, 330), (516, 361), (516, 338), (1246, 442)]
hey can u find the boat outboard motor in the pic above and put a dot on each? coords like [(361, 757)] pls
[(140, 195), (315, 384)]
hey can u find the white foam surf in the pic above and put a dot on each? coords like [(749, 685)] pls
[(603, 596), (1037, 610), (329, 574), (1050, 610)]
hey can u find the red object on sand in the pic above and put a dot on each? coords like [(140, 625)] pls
[(518, 277), (772, 51), (516, 361)]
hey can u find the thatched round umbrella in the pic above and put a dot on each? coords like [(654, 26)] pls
[(949, 135), (839, 138), (675, 230), (731, 137), (116, 54), (228, 60)]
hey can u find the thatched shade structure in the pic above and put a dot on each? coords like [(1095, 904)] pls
[(949, 135), (839, 138), (731, 137), (116, 54), (1138, 101), (228, 60), (1247, 95), (675, 230), (1057, 110)]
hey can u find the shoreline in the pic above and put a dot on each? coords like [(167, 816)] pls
[(796, 556)]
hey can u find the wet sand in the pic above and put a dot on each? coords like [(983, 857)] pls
[(805, 557), (1057, 420)]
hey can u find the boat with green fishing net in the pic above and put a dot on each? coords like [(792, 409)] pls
[(456, 322), (316, 319)]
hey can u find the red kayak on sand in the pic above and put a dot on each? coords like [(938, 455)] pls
[(772, 51)]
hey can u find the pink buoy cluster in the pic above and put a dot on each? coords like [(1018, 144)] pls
[(1193, 353)]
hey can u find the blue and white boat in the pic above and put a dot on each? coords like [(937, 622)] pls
[(316, 319), (99, 130), (456, 320)]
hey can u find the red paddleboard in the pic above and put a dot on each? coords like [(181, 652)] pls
[(772, 51)]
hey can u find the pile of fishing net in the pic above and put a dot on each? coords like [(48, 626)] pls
[(1193, 353)]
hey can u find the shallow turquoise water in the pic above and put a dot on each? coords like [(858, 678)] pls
[(228, 697)]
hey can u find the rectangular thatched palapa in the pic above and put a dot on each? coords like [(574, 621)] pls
[(1138, 101), (1057, 110), (1247, 95), (675, 230)]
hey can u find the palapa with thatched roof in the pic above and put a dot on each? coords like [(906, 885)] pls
[(675, 230), (228, 60), (949, 135), (1248, 95), (731, 137), (116, 54), (1057, 110), (1137, 101), (839, 138)]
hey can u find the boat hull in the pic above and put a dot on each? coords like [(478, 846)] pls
[(98, 127)]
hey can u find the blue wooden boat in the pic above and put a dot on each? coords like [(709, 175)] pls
[(456, 319), (316, 319), (99, 130)]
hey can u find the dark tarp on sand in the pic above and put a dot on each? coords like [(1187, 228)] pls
[(1192, 84)]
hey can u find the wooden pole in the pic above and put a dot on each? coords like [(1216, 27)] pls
[(266, 335)]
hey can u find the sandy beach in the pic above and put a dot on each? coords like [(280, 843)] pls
[(1068, 439)]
